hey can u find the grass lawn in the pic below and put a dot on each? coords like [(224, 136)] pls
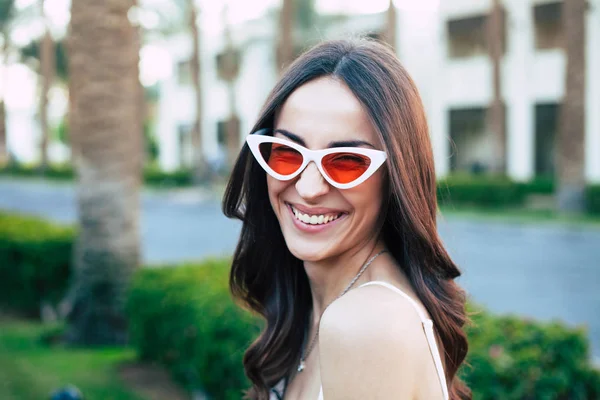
[(31, 371)]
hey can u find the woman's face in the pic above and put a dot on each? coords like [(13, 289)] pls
[(316, 115)]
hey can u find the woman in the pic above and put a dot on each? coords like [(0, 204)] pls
[(339, 249)]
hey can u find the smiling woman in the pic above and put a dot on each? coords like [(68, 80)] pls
[(339, 250)]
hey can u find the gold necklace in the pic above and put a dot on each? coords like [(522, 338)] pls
[(305, 355)]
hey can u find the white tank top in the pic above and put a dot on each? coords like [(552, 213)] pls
[(429, 335)]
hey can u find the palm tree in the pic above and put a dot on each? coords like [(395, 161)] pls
[(6, 15), (107, 131), (285, 44), (570, 157), (229, 71), (198, 162), (47, 68), (497, 110), (391, 22)]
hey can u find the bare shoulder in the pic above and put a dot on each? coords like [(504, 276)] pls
[(371, 345)]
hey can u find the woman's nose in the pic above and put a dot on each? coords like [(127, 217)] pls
[(311, 183)]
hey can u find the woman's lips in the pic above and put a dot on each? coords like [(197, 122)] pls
[(310, 228)]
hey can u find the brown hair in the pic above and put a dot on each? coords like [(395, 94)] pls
[(272, 282)]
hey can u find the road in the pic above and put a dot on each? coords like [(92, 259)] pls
[(544, 271)]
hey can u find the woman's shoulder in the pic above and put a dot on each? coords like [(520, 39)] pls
[(372, 339), (372, 311)]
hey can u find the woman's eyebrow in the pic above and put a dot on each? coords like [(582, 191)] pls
[(291, 136), (350, 143), (343, 143)]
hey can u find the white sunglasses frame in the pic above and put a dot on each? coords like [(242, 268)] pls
[(377, 158)]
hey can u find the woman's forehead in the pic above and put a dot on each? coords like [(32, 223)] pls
[(323, 111)]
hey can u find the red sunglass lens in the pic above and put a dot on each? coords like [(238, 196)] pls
[(345, 167), (282, 159)]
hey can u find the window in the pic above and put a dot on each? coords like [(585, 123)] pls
[(472, 148), (184, 72), (228, 62), (222, 133), (546, 127), (185, 145), (548, 26), (467, 37)]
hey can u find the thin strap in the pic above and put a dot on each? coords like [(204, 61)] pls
[(400, 292), (278, 390), (429, 334)]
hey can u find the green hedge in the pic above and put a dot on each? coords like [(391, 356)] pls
[(35, 262), (514, 358), (593, 199), (539, 185), (180, 178), (152, 175), (481, 191), (55, 172), (185, 318), (500, 192)]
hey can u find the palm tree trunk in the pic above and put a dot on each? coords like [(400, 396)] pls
[(570, 157), (47, 67), (285, 44), (497, 110), (107, 133), (391, 25), (233, 120), (198, 164)]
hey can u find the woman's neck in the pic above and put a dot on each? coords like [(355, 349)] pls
[(328, 278)]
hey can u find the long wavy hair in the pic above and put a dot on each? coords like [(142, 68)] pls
[(269, 280)]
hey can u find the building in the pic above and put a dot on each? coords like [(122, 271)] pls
[(444, 48)]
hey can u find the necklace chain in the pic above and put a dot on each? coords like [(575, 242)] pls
[(314, 339)]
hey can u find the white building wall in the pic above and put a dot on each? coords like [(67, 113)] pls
[(256, 79), (215, 96), (548, 74), (592, 142), (177, 102), (468, 82), (519, 95), (464, 8), (420, 48), (529, 77)]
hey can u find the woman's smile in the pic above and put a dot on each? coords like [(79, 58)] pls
[(313, 220)]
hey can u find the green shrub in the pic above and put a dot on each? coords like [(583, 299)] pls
[(152, 175), (185, 318), (481, 191), (593, 199), (35, 262), (55, 172), (155, 177), (539, 185), (514, 358)]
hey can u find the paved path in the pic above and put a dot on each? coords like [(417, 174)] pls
[(547, 271)]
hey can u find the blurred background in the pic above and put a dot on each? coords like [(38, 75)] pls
[(120, 121)]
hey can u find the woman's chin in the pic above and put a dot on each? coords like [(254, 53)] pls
[(309, 253)]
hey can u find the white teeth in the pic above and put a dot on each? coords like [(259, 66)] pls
[(314, 219)]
